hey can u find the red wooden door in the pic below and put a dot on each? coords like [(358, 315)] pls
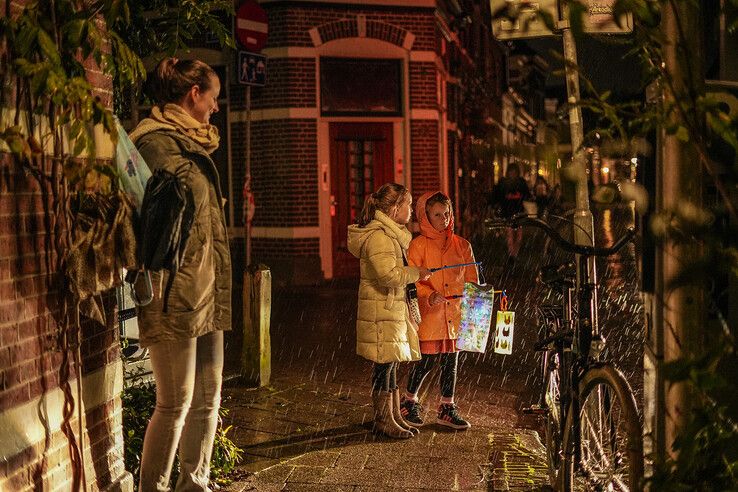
[(361, 161)]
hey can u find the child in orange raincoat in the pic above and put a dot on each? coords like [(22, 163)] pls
[(439, 298)]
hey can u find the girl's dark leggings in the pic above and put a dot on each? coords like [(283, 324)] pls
[(449, 363), (384, 377)]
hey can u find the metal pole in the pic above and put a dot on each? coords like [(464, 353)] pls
[(583, 223), (582, 214), (682, 308), (247, 178)]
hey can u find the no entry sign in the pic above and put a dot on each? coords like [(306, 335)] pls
[(251, 26)]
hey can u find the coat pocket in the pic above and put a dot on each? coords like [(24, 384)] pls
[(194, 283)]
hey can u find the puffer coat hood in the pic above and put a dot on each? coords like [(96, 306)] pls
[(384, 332), (433, 249), (200, 298)]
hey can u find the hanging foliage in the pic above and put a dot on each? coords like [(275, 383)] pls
[(55, 111)]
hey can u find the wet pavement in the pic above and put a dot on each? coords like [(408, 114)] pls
[(310, 429)]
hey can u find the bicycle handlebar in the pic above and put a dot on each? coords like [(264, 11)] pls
[(579, 249)]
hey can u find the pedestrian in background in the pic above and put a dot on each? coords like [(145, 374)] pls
[(509, 196), (542, 195), (385, 334), (440, 306), (186, 341)]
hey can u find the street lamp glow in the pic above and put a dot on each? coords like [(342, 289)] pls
[(605, 170), (634, 160)]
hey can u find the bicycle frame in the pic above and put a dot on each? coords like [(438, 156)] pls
[(588, 342)]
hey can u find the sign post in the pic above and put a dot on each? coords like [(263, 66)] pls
[(252, 29), (251, 32)]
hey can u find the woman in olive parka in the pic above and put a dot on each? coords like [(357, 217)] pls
[(186, 341)]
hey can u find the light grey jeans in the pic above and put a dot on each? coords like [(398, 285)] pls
[(188, 375)]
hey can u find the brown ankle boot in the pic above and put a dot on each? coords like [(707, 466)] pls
[(397, 414), (383, 420)]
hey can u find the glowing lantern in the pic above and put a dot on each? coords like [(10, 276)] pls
[(477, 305), (504, 328)]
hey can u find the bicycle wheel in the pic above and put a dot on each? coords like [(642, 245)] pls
[(603, 447), (552, 400)]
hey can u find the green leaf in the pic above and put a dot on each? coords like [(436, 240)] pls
[(48, 47), (79, 145), (682, 134), (26, 36), (38, 81), (75, 31)]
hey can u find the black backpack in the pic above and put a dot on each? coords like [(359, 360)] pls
[(164, 225)]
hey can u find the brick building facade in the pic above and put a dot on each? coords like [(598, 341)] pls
[(318, 147), (42, 407)]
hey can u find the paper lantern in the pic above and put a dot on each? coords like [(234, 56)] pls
[(477, 306), (504, 332)]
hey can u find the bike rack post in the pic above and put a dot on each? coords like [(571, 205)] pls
[(256, 352)]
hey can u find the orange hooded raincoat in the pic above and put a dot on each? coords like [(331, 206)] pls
[(440, 323)]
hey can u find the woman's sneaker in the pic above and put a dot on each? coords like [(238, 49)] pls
[(448, 416), (410, 411)]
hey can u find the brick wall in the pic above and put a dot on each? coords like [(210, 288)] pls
[(289, 24), (31, 358), (293, 261), (283, 169), (277, 248), (34, 451), (423, 86), (424, 152), (290, 84)]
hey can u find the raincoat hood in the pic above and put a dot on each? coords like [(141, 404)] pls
[(357, 235), (426, 229)]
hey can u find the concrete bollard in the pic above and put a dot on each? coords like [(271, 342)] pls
[(256, 353)]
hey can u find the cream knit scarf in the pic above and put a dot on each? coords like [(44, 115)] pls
[(174, 117)]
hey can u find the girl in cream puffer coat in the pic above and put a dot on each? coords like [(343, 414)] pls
[(440, 306), (385, 333)]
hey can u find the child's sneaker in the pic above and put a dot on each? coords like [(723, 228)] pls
[(448, 416), (410, 411)]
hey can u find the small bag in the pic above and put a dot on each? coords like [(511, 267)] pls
[(411, 296), (477, 305), (133, 172)]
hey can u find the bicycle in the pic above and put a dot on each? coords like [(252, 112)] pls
[(592, 429)]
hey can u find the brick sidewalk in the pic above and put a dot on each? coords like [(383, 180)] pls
[(315, 436)]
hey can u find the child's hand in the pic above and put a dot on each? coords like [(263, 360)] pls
[(436, 298), (424, 273)]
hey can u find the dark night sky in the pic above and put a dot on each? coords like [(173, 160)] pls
[(602, 61)]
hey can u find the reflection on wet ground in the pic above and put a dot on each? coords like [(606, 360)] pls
[(314, 359), (313, 328)]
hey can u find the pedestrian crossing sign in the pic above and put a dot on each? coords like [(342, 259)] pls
[(252, 68)]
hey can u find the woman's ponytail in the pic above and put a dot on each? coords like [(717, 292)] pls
[(367, 213), (387, 196)]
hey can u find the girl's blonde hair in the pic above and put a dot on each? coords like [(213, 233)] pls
[(385, 198)]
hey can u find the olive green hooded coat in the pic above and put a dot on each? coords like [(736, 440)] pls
[(384, 332), (200, 298)]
